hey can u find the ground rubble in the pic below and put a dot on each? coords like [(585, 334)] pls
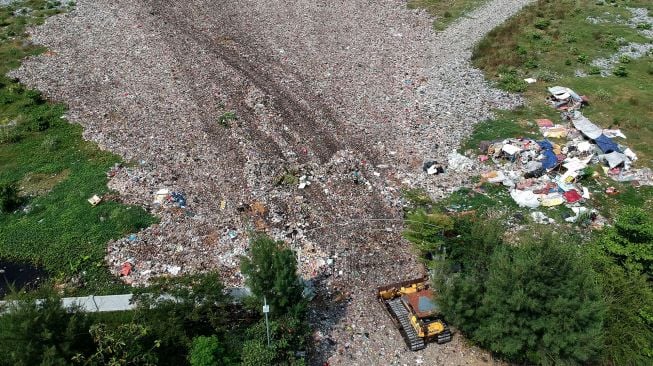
[(304, 120)]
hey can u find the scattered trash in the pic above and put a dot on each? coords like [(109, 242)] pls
[(161, 196), (95, 200), (126, 269), (431, 167), (303, 182), (132, 237), (541, 218), (460, 163), (173, 270), (611, 191)]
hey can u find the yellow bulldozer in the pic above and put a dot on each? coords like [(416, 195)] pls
[(411, 304)]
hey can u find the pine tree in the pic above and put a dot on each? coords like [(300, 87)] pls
[(271, 273), (630, 240), (541, 305)]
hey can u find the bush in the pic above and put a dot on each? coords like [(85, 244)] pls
[(542, 23), (9, 198), (594, 70), (44, 334), (509, 81), (630, 240), (205, 351), (620, 71)]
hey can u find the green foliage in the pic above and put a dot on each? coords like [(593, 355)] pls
[(538, 302), (627, 331), (426, 231), (205, 351), (542, 23), (126, 344), (194, 305), (44, 334), (271, 273), (9, 199), (630, 240), (61, 232), (287, 336), (510, 81), (541, 305), (225, 119), (620, 71)]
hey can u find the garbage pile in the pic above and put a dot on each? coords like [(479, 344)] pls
[(549, 172)]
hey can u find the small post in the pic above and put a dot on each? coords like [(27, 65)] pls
[(266, 310)]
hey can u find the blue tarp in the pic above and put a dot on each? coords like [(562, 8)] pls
[(550, 159), (606, 144)]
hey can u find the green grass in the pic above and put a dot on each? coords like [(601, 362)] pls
[(445, 11), (551, 40), (545, 41), (57, 171)]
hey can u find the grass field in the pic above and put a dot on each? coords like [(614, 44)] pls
[(445, 11), (56, 172), (553, 41)]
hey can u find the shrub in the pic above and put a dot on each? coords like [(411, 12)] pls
[(594, 70), (603, 95), (542, 23), (225, 119), (630, 240), (541, 305), (582, 58), (9, 198), (511, 82), (620, 71), (624, 59)]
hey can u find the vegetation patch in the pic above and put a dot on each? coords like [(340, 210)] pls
[(446, 11), (195, 323), (47, 219)]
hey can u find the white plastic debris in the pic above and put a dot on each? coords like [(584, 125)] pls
[(525, 198), (459, 163)]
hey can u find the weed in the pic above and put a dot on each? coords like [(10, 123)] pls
[(645, 26), (542, 24), (225, 119), (594, 70), (603, 95), (624, 59), (620, 71), (582, 58)]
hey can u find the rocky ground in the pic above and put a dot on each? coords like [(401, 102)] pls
[(230, 103)]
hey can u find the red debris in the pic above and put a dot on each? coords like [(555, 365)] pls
[(126, 269), (572, 196)]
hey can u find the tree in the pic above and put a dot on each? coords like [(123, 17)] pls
[(630, 240), (43, 334), (287, 336), (628, 328), (9, 199), (127, 344), (541, 305), (205, 351), (271, 273), (176, 310)]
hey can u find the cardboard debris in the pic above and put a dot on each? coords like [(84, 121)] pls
[(95, 200)]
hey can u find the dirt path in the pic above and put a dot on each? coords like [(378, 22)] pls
[(354, 94)]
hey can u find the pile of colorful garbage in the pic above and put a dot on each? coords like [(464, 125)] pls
[(549, 172)]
